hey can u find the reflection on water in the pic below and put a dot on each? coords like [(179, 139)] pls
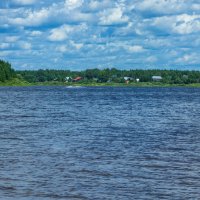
[(99, 143)]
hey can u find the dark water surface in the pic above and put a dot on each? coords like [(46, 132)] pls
[(99, 143)]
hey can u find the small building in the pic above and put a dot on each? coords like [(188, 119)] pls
[(77, 79), (114, 76), (67, 79), (137, 80), (156, 78), (95, 79), (127, 78), (185, 76)]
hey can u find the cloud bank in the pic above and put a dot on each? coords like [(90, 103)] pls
[(79, 34)]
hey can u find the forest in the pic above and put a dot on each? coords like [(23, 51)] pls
[(6, 72), (95, 75), (111, 75)]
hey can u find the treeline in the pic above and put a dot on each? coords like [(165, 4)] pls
[(97, 75), (6, 72), (111, 75)]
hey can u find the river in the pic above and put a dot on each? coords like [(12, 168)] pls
[(99, 143)]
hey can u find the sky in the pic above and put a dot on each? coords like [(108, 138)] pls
[(81, 34)]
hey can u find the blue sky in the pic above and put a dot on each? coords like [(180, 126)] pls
[(80, 34)]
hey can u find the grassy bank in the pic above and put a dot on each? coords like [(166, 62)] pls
[(21, 82), (141, 84), (15, 82)]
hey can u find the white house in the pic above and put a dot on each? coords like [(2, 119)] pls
[(67, 79), (127, 78), (156, 78)]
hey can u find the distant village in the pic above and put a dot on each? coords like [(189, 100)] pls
[(126, 79), (111, 76), (95, 75)]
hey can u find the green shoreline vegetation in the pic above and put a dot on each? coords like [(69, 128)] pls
[(97, 77), (19, 82)]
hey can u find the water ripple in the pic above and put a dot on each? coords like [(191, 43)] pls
[(99, 143)]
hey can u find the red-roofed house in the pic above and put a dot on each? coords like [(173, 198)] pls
[(77, 79)]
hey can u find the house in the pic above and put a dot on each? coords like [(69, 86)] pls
[(114, 76), (137, 80), (127, 78), (95, 79), (156, 78), (77, 79), (185, 76), (67, 79)]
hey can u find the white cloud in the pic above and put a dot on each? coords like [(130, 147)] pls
[(189, 58), (76, 45), (96, 28), (186, 24), (62, 48), (70, 47), (192, 58), (135, 48), (132, 28), (5, 53), (11, 39), (179, 24), (4, 45), (113, 16), (25, 45), (34, 18), (119, 45), (185, 58), (72, 4), (24, 2), (162, 6), (36, 33), (173, 53), (59, 13), (151, 59), (156, 42), (98, 5), (196, 7), (61, 33)]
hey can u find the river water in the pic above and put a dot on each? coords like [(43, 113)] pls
[(99, 143)]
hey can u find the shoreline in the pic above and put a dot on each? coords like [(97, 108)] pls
[(18, 83)]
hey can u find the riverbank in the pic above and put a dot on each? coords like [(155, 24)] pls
[(19, 82)]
